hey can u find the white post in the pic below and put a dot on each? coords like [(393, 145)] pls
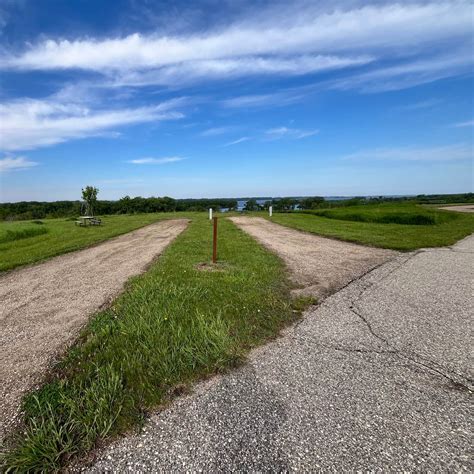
[(270, 210), (210, 214)]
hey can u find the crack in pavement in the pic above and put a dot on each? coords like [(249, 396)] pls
[(454, 377), (416, 358)]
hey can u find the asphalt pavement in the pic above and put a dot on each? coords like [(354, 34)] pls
[(378, 377)]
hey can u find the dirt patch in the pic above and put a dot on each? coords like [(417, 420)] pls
[(319, 266), (464, 208), (44, 306)]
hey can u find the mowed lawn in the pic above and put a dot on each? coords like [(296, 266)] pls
[(178, 322), (384, 225), (26, 242)]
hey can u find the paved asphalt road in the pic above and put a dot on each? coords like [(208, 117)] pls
[(376, 378)]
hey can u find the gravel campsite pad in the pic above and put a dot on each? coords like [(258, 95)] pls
[(463, 208), (44, 306), (319, 266)]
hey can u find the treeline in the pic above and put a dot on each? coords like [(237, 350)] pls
[(126, 205), (286, 204)]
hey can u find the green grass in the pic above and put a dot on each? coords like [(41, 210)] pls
[(384, 225), (387, 214), (11, 235), (173, 324), (57, 236)]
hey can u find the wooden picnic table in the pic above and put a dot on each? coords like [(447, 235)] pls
[(88, 220)]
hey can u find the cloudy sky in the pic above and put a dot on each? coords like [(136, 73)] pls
[(233, 98)]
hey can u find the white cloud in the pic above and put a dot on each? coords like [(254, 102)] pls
[(30, 123), (454, 152), (469, 123), (424, 104), (239, 140), (300, 38), (156, 161), (301, 29), (215, 131), (277, 99), (285, 132), (186, 72), (11, 163), (408, 74)]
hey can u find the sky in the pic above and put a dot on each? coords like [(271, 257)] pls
[(235, 98)]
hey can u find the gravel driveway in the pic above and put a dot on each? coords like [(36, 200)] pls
[(377, 378), (44, 306), (319, 266)]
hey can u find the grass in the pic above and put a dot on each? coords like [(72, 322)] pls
[(11, 235), (174, 324), (400, 226), (387, 214), (27, 242)]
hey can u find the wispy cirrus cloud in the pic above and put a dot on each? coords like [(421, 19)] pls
[(378, 79), (469, 123), (32, 123), (276, 99), (13, 163), (156, 161), (236, 142), (308, 29), (285, 132), (419, 105), (454, 152), (407, 74), (299, 38), (216, 131), (209, 69)]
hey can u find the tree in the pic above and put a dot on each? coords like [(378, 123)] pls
[(312, 202), (89, 195), (284, 204), (251, 205)]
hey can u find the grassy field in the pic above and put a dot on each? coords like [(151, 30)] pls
[(401, 226), (26, 242), (397, 226), (174, 324)]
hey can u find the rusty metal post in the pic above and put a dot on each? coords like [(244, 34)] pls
[(214, 240)]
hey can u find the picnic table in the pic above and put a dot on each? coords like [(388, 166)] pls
[(88, 220)]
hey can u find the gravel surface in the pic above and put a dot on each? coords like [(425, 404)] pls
[(375, 379), (44, 306), (463, 208), (319, 266)]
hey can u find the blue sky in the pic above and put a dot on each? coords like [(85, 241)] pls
[(235, 98)]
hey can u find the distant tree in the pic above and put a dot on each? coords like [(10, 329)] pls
[(89, 195), (124, 205), (312, 202), (284, 204), (251, 205)]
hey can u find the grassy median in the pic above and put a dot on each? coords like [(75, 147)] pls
[(178, 322), (395, 226)]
